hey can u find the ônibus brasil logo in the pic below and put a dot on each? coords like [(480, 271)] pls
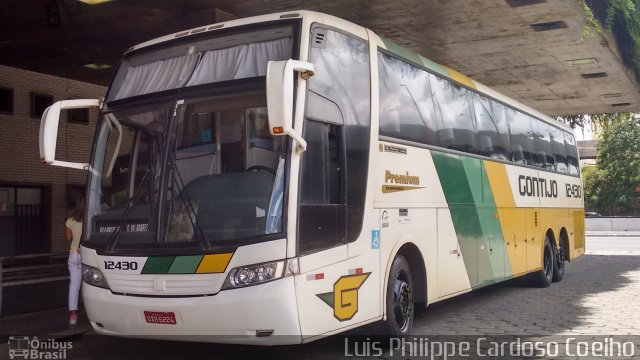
[(32, 348)]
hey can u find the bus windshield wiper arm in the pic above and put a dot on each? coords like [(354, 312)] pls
[(188, 205)]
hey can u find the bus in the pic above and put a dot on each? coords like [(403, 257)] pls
[(286, 177)]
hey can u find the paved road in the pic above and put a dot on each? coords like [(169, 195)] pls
[(598, 298)]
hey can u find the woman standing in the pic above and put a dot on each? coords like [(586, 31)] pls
[(73, 234)]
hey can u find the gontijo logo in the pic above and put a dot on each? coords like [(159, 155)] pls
[(344, 298)]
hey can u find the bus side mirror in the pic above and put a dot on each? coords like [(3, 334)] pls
[(280, 97), (49, 131)]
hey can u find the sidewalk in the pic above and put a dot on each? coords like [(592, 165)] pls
[(47, 324), (630, 233)]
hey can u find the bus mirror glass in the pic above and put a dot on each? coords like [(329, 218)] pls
[(49, 131), (280, 96)]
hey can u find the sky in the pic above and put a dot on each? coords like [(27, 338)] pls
[(583, 133)]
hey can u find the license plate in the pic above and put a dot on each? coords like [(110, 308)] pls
[(160, 317)]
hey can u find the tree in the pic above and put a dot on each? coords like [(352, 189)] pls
[(611, 186)]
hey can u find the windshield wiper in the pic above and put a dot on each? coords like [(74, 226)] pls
[(188, 205)]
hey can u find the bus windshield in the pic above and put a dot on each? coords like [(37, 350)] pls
[(195, 173)]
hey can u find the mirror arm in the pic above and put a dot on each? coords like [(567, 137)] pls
[(305, 71)]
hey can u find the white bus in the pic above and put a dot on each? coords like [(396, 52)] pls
[(296, 174)]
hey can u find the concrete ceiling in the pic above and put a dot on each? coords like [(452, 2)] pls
[(490, 40)]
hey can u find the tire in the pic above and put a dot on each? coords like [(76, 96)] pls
[(544, 276), (559, 263), (399, 300)]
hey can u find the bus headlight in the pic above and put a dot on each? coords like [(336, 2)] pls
[(94, 276), (253, 274)]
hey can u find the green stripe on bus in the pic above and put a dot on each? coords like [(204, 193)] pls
[(474, 214), (185, 264), (493, 231), (457, 191), (157, 264), (437, 68), (473, 170), (401, 51), (415, 58)]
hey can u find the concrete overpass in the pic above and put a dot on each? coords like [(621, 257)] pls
[(531, 50)]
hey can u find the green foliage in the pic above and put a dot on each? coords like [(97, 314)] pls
[(592, 25), (611, 185), (622, 17), (591, 179), (574, 120)]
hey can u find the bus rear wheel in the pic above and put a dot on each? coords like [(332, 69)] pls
[(544, 276), (400, 306), (559, 264)]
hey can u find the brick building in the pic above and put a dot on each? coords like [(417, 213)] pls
[(36, 199)]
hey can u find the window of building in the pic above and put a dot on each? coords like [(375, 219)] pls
[(78, 116), (6, 101), (39, 103)]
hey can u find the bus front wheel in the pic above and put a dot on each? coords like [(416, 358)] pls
[(400, 298)]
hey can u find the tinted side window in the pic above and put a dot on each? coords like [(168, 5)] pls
[(493, 128), (321, 169), (342, 77), (454, 118), (406, 108), (572, 154), (559, 151), (542, 140), (322, 213), (522, 146)]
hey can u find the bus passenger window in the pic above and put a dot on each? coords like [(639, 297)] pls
[(559, 151), (493, 129), (406, 108), (572, 154), (542, 139), (454, 118), (522, 145)]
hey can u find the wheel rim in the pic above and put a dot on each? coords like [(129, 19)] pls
[(560, 259), (548, 263), (402, 303)]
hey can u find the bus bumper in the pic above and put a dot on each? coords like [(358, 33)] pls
[(261, 315)]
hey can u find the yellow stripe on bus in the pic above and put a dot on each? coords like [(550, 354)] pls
[(500, 187), (214, 263), (512, 220), (463, 79)]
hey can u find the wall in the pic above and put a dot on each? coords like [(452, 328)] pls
[(612, 224), (19, 153)]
